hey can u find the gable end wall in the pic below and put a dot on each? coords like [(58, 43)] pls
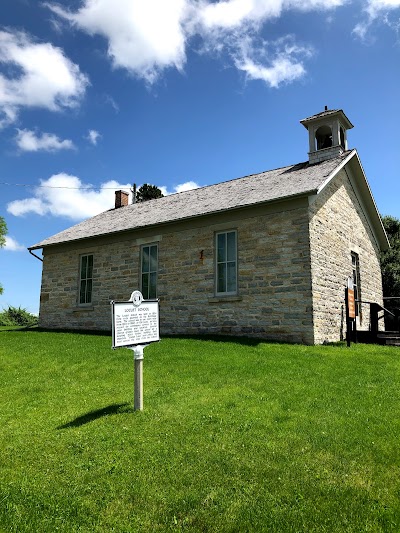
[(339, 226)]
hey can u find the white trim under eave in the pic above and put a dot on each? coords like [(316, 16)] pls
[(365, 198), (336, 170)]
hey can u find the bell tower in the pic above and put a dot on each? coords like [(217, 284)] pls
[(327, 134)]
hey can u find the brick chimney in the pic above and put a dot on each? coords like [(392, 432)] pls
[(121, 199)]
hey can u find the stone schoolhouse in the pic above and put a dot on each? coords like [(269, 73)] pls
[(266, 255)]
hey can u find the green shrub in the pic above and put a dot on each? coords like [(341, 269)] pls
[(16, 316)]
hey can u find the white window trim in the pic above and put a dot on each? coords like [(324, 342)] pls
[(356, 257), (90, 303), (230, 293), (148, 245)]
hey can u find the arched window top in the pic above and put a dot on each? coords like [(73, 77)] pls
[(323, 137)]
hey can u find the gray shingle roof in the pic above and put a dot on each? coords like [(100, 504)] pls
[(327, 113), (272, 185)]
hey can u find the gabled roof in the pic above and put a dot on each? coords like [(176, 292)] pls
[(302, 179)]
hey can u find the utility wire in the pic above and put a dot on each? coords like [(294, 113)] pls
[(58, 187)]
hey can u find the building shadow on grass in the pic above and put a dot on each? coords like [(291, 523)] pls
[(243, 339), (115, 409)]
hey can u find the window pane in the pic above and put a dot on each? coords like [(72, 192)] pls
[(88, 291), (356, 280), (153, 259), (83, 266), (145, 286), (221, 247), (145, 259), (85, 282), (153, 285), (226, 263), (82, 292), (221, 277), (231, 238), (231, 277), (149, 271), (89, 273)]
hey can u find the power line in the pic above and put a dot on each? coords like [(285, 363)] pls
[(59, 186)]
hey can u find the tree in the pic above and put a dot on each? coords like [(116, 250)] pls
[(390, 260), (3, 232), (390, 266), (148, 192), (14, 316)]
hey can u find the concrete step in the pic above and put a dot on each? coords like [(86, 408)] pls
[(389, 338)]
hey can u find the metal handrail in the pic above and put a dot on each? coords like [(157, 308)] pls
[(378, 305)]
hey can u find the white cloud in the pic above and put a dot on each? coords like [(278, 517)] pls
[(186, 186), (375, 9), (28, 205), (109, 100), (236, 13), (375, 6), (63, 195), (39, 75), (274, 63), (143, 37), (146, 37), (93, 136), (282, 70), (28, 141), (362, 28), (13, 246)]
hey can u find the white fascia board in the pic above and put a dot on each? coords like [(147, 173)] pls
[(363, 190), (364, 194), (336, 171)]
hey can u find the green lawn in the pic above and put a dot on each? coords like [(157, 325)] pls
[(234, 437)]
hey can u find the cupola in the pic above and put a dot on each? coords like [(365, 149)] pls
[(327, 134)]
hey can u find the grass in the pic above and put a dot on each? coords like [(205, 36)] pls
[(234, 437)]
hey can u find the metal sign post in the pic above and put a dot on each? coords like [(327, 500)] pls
[(138, 387), (135, 324)]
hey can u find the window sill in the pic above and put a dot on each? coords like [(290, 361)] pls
[(219, 299), (82, 308)]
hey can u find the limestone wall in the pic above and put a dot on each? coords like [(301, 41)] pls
[(114, 267), (274, 296), (339, 226), (280, 247)]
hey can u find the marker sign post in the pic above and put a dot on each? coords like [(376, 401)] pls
[(135, 324)]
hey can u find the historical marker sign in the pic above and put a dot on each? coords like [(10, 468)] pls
[(351, 304), (135, 322), (350, 311)]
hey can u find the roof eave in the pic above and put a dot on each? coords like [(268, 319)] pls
[(320, 117), (371, 205), (354, 162), (304, 194)]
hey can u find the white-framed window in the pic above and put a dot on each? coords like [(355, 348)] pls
[(85, 279), (226, 262), (149, 270), (355, 265)]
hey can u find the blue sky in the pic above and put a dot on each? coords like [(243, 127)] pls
[(96, 95)]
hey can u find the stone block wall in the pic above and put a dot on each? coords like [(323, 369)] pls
[(274, 282), (339, 226), (114, 267), (274, 298)]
